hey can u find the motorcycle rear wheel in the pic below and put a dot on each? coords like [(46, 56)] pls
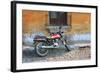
[(41, 51)]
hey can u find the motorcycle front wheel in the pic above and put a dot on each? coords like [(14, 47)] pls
[(41, 51)]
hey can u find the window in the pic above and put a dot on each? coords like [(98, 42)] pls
[(57, 18)]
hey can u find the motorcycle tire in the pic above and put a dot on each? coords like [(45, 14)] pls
[(41, 51)]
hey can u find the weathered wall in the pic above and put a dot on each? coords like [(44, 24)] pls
[(37, 20), (81, 22), (34, 20)]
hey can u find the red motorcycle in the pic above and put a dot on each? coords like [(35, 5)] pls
[(43, 43)]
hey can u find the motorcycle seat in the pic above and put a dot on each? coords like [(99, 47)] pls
[(38, 36)]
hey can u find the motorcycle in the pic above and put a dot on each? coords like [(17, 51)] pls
[(43, 43)]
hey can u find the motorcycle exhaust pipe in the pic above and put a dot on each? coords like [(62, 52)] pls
[(52, 47), (48, 47)]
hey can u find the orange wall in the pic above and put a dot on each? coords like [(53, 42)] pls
[(81, 22), (80, 18), (36, 21)]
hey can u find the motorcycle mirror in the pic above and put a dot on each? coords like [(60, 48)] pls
[(62, 32)]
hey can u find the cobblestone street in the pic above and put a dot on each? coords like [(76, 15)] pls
[(29, 55)]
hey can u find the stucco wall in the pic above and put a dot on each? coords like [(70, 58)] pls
[(81, 22), (37, 20), (34, 20)]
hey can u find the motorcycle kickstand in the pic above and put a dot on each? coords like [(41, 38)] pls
[(67, 48)]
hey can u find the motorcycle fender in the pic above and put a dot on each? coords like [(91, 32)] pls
[(40, 40)]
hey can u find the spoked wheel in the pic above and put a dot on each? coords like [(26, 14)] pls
[(41, 51)]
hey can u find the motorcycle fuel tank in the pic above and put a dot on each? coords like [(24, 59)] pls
[(55, 36)]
